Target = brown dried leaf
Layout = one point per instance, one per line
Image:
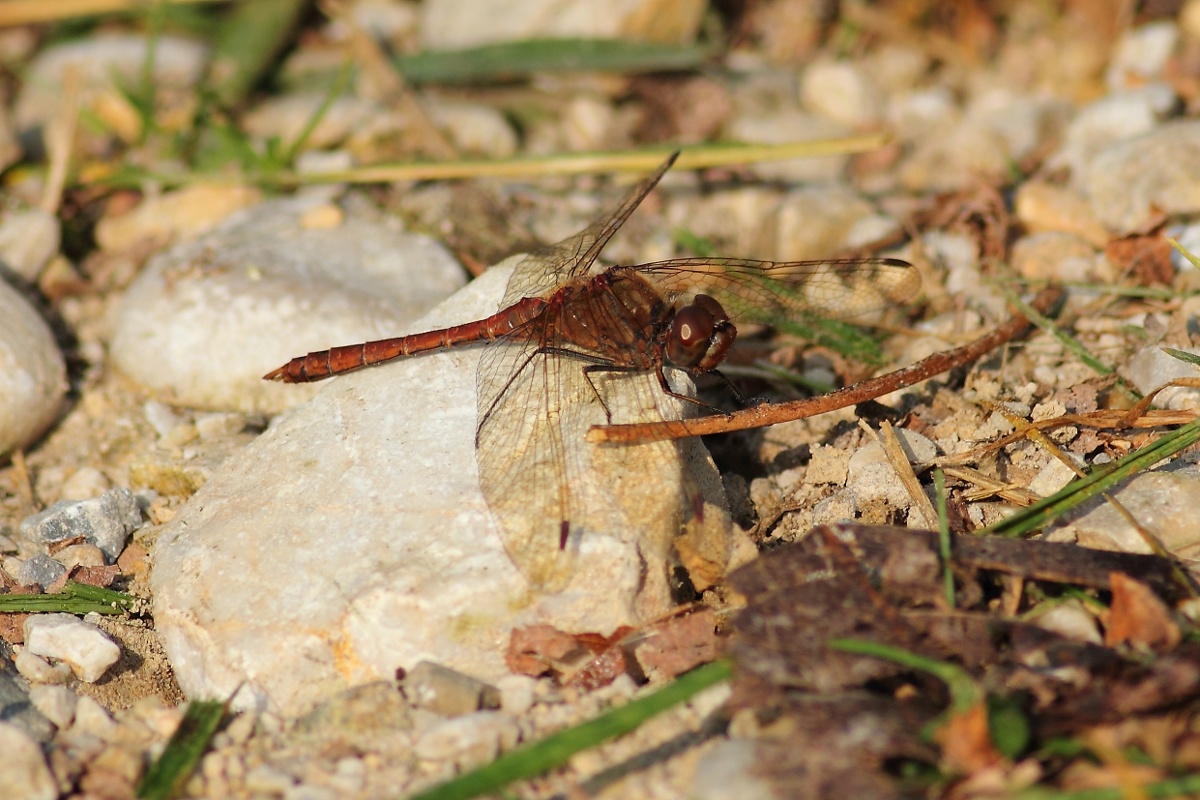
(679, 644)
(1137, 616)
(1145, 257)
(966, 741)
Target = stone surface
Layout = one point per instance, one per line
(105, 521)
(1132, 179)
(16, 708)
(1163, 501)
(182, 214)
(81, 645)
(205, 320)
(32, 373)
(24, 773)
(352, 539)
(447, 24)
(29, 238)
(447, 692)
(100, 63)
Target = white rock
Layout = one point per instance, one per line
(1163, 501)
(1152, 368)
(871, 476)
(1110, 119)
(1054, 476)
(100, 61)
(1133, 179)
(352, 538)
(36, 669)
(474, 128)
(729, 771)
(182, 214)
(471, 739)
(447, 24)
(24, 773)
(1142, 53)
(92, 719)
(813, 222)
(204, 321)
(791, 125)
(29, 238)
(1072, 620)
(84, 483)
(33, 377)
(82, 646)
(57, 703)
(516, 693)
(841, 91)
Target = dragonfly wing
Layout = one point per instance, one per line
(554, 496)
(776, 291)
(546, 269)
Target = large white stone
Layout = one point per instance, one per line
(33, 376)
(352, 538)
(205, 320)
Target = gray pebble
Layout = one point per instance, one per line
(105, 521)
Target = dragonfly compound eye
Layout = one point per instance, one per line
(700, 335)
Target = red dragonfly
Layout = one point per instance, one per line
(675, 315)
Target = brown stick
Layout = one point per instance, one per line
(773, 413)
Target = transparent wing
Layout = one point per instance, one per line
(549, 490)
(546, 269)
(776, 291)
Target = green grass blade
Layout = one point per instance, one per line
(944, 543)
(496, 63)
(75, 598)
(554, 751)
(252, 35)
(1100, 480)
(1187, 786)
(168, 774)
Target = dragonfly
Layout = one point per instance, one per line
(568, 328)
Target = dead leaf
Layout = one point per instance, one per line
(1137, 616)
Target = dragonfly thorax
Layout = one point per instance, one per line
(700, 335)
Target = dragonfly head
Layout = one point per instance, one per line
(700, 335)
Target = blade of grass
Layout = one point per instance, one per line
(553, 751)
(939, 491)
(1187, 786)
(1100, 480)
(75, 598)
(640, 160)
(250, 38)
(1072, 345)
(167, 775)
(25, 12)
(496, 63)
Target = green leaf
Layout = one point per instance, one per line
(168, 774)
(75, 598)
(496, 63)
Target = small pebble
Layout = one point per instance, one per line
(84, 484)
(38, 569)
(1071, 620)
(56, 702)
(29, 238)
(445, 691)
(24, 773)
(36, 669)
(93, 719)
(105, 521)
(468, 740)
(219, 425)
(84, 647)
(33, 380)
(729, 770)
(517, 693)
(183, 214)
(80, 555)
